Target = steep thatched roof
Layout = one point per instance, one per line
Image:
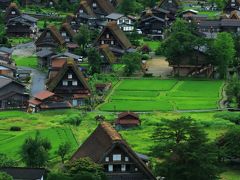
(52, 83)
(55, 34)
(117, 33)
(105, 50)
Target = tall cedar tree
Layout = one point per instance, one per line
(94, 60)
(185, 148)
(223, 52)
(83, 37)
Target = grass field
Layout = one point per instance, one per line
(19, 40)
(50, 126)
(163, 95)
(26, 61)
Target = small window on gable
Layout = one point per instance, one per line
(136, 169)
(112, 42)
(107, 159)
(169, 1)
(69, 76)
(64, 33)
(74, 83)
(102, 42)
(117, 157)
(126, 159)
(110, 168)
(80, 11)
(65, 83)
(94, 5)
(123, 167)
(13, 12)
(107, 36)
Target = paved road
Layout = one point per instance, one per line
(38, 80)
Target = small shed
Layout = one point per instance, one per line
(127, 120)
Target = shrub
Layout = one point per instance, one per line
(232, 117)
(159, 51)
(73, 120)
(15, 128)
(145, 57)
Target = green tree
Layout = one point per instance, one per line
(127, 7)
(63, 150)
(5, 176)
(186, 150)
(83, 37)
(233, 91)
(132, 62)
(229, 144)
(34, 151)
(94, 60)
(223, 52)
(85, 167)
(6, 161)
(180, 42)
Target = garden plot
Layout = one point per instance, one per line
(164, 95)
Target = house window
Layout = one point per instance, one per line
(107, 159)
(74, 83)
(94, 5)
(64, 34)
(169, 1)
(110, 168)
(102, 42)
(126, 159)
(136, 169)
(112, 42)
(107, 36)
(13, 12)
(65, 83)
(123, 167)
(233, 1)
(69, 76)
(117, 157)
(80, 11)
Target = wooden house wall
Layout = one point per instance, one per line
(18, 29)
(132, 169)
(108, 38)
(69, 89)
(14, 101)
(10, 87)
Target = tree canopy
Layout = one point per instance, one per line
(186, 151)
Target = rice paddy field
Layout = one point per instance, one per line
(163, 95)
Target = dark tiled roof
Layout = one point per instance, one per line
(6, 50)
(29, 18)
(230, 22)
(24, 173)
(44, 53)
(114, 16)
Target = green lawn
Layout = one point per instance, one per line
(19, 40)
(26, 61)
(153, 45)
(164, 95)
